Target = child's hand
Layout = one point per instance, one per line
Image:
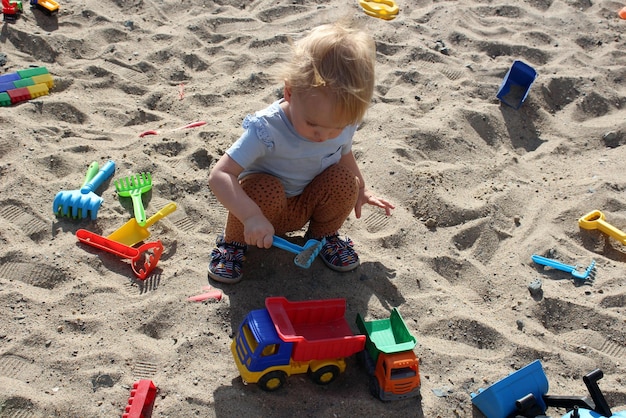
(365, 196)
(258, 231)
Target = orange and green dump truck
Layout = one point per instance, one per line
(389, 357)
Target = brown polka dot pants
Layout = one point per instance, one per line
(325, 203)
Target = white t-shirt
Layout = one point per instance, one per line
(271, 145)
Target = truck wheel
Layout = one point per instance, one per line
(375, 387)
(272, 381)
(360, 357)
(325, 375)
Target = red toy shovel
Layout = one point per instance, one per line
(143, 259)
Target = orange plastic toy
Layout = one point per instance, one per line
(622, 13)
(141, 400)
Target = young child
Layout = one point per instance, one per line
(294, 162)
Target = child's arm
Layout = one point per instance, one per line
(224, 182)
(365, 196)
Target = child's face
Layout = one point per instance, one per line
(313, 114)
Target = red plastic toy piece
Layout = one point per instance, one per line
(150, 132)
(143, 259)
(211, 294)
(141, 400)
(11, 10)
(21, 94)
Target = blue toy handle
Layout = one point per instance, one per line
(552, 263)
(283, 244)
(105, 172)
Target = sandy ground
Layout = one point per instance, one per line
(479, 187)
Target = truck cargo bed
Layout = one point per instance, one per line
(318, 328)
(389, 335)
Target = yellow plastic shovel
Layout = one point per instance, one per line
(596, 220)
(131, 232)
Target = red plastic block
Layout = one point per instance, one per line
(141, 400)
(19, 95)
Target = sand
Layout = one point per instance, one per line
(478, 186)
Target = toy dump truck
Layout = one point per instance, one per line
(11, 9)
(49, 7)
(389, 357)
(289, 338)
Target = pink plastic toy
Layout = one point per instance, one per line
(209, 293)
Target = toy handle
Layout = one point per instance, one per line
(283, 244)
(138, 209)
(165, 210)
(596, 220)
(103, 243)
(105, 172)
(91, 172)
(591, 381)
(609, 229)
(551, 263)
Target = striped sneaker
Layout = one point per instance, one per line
(338, 254)
(226, 261)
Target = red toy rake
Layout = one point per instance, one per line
(143, 259)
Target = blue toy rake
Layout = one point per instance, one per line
(588, 273)
(305, 255)
(83, 202)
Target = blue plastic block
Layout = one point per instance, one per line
(9, 85)
(498, 400)
(516, 84)
(4, 78)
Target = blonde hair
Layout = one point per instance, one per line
(339, 58)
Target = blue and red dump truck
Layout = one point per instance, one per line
(314, 337)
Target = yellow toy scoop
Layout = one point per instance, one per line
(382, 9)
(131, 232)
(596, 220)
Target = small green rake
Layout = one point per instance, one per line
(134, 187)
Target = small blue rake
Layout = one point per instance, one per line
(588, 273)
(84, 202)
(305, 255)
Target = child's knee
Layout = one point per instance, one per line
(342, 178)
